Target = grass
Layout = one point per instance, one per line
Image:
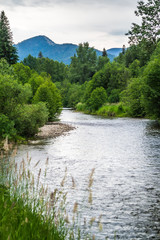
(18, 221)
(107, 110)
(113, 110)
(28, 211)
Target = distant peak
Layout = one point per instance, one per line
(41, 38)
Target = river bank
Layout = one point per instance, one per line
(53, 129)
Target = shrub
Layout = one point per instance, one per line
(49, 94)
(97, 98)
(29, 118)
(114, 96)
(6, 127)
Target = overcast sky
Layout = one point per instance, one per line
(103, 23)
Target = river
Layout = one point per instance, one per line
(125, 154)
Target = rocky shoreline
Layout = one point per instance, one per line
(53, 129)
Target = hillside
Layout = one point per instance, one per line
(59, 52)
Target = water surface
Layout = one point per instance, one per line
(126, 156)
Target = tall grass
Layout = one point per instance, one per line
(28, 210)
(113, 110)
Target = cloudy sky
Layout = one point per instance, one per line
(103, 23)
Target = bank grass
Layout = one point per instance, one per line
(109, 110)
(30, 210)
(113, 110)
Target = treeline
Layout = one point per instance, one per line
(33, 91)
(27, 100)
(128, 86)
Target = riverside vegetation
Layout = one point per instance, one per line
(29, 210)
(34, 91)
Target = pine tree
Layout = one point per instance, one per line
(104, 53)
(40, 55)
(7, 50)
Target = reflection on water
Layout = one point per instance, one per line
(126, 156)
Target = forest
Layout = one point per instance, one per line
(34, 91)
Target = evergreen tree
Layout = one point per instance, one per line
(104, 53)
(40, 55)
(83, 64)
(7, 50)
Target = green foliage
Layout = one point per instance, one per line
(113, 110)
(35, 81)
(131, 97)
(7, 50)
(83, 65)
(56, 70)
(48, 93)
(112, 76)
(97, 99)
(5, 68)
(151, 88)
(81, 107)
(6, 127)
(149, 30)
(23, 73)
(74, 95)
(135, 68)
(102, 60)
(28, 118)
(19, 221)
(114, 96)
(30, 62)
(144, 38)
(12, 93)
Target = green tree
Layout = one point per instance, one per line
(48, 93)
(7, 50)
(74, 95)
(146, 35)
(40, 55)
(149, 30)
(7, 128)
(97, 99)
(83, 65)
(131, 97)
(30, 62)
(23, 73)
(104, 53)
(12, 93)
(35, 81)
(151, 89)
(102, 60)
(28, 118)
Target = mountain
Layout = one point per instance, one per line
(50, 49)
(114, 51)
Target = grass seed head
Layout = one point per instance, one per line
(75, 208)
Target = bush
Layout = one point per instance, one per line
(49, 94)
(81, 107)
(114, 96)
(113, 110)
(131, 97)
(29, 118)
(6, 127)
(97, 99)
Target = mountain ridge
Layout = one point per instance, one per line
(58, 52)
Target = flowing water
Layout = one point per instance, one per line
(125, 154)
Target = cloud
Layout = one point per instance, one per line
(32, 3)
(102, 23)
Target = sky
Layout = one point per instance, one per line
(102, 23)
